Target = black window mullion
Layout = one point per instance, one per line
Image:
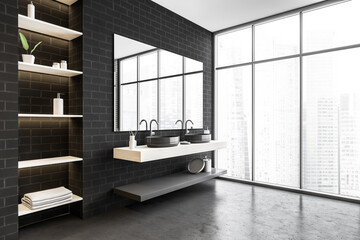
(301, 101)
(183, 91)
(138, 92)
(158, 87)
(253, 105)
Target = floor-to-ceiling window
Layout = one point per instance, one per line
(288, 99)
(235, 90)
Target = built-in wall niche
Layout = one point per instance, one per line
(50, 144)
(152, 83)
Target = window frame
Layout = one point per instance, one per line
(118, 85)
(300, 55)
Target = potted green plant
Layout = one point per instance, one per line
(27, 58)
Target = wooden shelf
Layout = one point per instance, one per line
(148, 189)
(22, 210)
(48, 115)
(47, 161)
(47, 70)
(67, 2)
(145, 154)
(46, 28)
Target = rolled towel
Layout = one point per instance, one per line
(47, 194)
(48, 201)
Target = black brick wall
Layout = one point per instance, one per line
(145, 21)
(141, 20)
(41, 178)
(51, 137)
(8, 120)
(43, 138)
(37, 91)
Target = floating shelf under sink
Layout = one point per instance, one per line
(155, 187)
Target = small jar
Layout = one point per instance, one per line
(63, 64)
(56, 65)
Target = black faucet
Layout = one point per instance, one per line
(182, 123)
(186, 129)
(153, 120)
(145, 123)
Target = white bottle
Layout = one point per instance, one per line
(207, 167)
(58, 105)
(206, 131)
(31, 10)
(132, 142)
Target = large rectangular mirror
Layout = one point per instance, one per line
(152, 83)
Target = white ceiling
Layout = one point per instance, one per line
(215, 15)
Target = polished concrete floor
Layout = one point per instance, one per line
(217, 210)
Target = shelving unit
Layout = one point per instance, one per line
(47, 161)
(48, 115)
(47, 70)
(46, 28)
(23, 210)
(59, 32)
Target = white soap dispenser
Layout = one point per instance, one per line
(58, 105)
(31, 10)
(206, 131)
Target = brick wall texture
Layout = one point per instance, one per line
(142, 20)
(50, 137)
(145, 21)
(8, 120)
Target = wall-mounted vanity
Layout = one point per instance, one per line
(145, 154)
(155, 85)
(152, 85)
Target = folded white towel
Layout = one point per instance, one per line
(43, 206)
(47, 194)
(47, 201)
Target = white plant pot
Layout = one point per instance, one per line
(27, 58)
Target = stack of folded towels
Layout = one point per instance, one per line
(47, 198)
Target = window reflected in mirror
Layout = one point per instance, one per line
(192, 65)
(148, 65)
(170, 63)
(194, 99)
(171, 103)
(128, 70)
(148, 102)
(151, 83)
(128, 107)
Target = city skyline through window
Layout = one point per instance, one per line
(291, 111)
